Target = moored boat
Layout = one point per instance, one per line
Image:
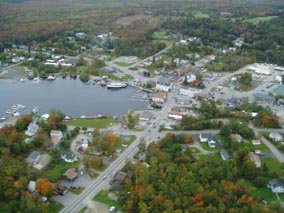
(116, 85)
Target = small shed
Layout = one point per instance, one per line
(71, 174)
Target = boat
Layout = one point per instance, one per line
(8, 112)
(35, 110)
(51, 77)
(3, 119)
(36, 80)
(22, 80)
(116, 85)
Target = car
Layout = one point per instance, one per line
(112, 209)
(105, 177)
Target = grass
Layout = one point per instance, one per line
(98, 123)
(54, 206)
(160, 35)
(103, 198)
(262, 148)
(206, 147)
(77, 191)
(272, 164)
(83, 209)
(55, 173)
(257, 20)
(82, 68)
(122, 64)
(263, 192)
(20, 69)
(121, 140)
(201, 15)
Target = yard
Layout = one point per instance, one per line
(257, 20)
(206, 147)
(54, 206)
(103, 198)
(54, 173)
(98, 123)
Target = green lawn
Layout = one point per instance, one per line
(99, 123)
(103, 198)
(272, 164)
(121, 140)
(83, 210)
(257, 20)
(55, 173)
(82, 68)
(20, 69)
(77, 191)
(201, 15)
(206, 147)
(262, 148)
(54, 206)
(160, 35)
(122, 64)
(264, 192)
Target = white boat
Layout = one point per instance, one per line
(51, 77)
(3, 119)
(22, 80)
(36, 80)
(35, 110)
(8, 112)
(116, 85)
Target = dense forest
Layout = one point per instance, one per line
(177, 181)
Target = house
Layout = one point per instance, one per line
(120, 177)
(187, 91)
(224, 154)
(256, 142)
(275, 136)
(212, 142)
(71, 174)
(192, 76)
(276, 185)
(164, 84)
(182, 99)
(255, 159)
(32, 186)
(205, 137)
(146, 116)
(236, 137)
(56, 136)
(264, 97)
(68, 157)
(175, 115)
(159, 97)
(33, 158)
(32, 129)
(279, 90)
(110, 69)
(61, 189)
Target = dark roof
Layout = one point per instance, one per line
(206, 135)
(225, 154)
(120, 176)
(264, 97)
(33, 157)
(274, 183)
(164, 81)
(71, 174)
(279, 90)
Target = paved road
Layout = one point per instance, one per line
(274, 150)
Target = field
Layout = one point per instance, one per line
(103, 198)
(98, 123)
(257, 20)
(54, 206)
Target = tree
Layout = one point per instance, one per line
(23, 122)
(44, 187)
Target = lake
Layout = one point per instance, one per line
(71, 96)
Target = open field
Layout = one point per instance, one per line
(257, 20)
(98, 123)
(103, 198)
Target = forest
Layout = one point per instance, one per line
(178, 181)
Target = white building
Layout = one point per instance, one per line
(32, 129)
(187, 91)
(175, 115)
(164, 84)
(261, 69)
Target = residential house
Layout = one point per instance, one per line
(175, 115)
(71, 174)
(159, 97)
(276, 185)
(110, 69)
(264, 97)
(164, 84)
(205, 137)
(32, 186)
(224, 154)
(182, 99)
(275, 136)
(33, 158)
(256, 142)
(236, 137)
(120, 177)
(255, 159)
(60, 189)
(187, 91)
(146, 116)
(68, 157)
(55, 136)
(32, 129)
(279, 90)
(192, 76)
(212, 142)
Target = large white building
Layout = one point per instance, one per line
(164, 84)
(190, 92)
(261, 69)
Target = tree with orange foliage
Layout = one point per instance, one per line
(187, 139)
(44, 187)
(111, 138)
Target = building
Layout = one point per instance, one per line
(146, 116)
(276, 185)
(164, 84)
(205, 137)
(256, 142)
(33, 158)
(55, 136)
(159, 97)
(110, 69)
(120, 177)
(255, 159)
(175, 115)
(68, 157)
(261, 69)
(279, 90)
(275, 136)
(263, 97)
(32, 186)
(71, 174)
(32, 129)
(281, 69)
(182, 99)
(236, 137)
(192, 76)
(187, 91)
(224, 154)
